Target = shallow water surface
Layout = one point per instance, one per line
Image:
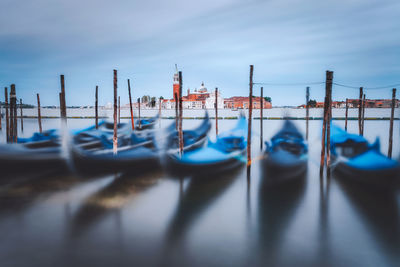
(156, 219)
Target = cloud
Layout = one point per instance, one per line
(212, 41)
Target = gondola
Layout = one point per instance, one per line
(136, 152)
(146, 124)
(43, 151)
(285, 156)
(192, 139)
(31, 156)
(354, 158)
(226, 153)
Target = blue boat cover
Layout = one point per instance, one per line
(371, 159)
(227, 146)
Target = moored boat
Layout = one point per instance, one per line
(285, 156)
(136, 152)
(43, 151)
(147, 123)
(354, 158)
(226, 153)
(192, 139)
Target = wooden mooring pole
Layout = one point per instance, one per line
(130, 105)
(250, 117)
(139, 121)
(115, 135)
(326, 124)
(307, 110)
(347, 114)
(216, 111)
(63, 104)
(22, 115)
(119, 109)
(391, 123)
(1, 127)
(176, 111)
(159, 112)
(96, 107)
(180, 115)
(261, 117)
(39, 115)
(363, 115)
(7, 115)
(13, 112)
(360, 111)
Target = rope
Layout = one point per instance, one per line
(368, 88)
(288, 84)
(337, 84)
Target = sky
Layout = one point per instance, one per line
(215, 41)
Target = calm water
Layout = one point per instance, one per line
(156, 219)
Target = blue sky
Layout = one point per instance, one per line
(211, 41)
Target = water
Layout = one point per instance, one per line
(157, 219)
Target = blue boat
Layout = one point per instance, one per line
(355, 158)
(138, 152)
(147, 123)
(43, 151)
(285, 156)
(192, 139)
(226, 153)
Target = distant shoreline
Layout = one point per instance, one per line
(220, 118)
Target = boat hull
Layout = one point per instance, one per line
(184, 168)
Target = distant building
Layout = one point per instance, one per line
(242, 102)
(355, 103)
(210, 101)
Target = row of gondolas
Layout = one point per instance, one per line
(90, 152)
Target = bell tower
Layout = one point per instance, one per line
(176, 84)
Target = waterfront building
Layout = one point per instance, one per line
(242, 102)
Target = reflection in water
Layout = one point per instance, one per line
(17, 197)
(199, 194)
(111, 199)
(324, 254)
(276, 207)
(379, 211)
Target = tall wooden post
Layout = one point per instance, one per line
(7, 115)
(13, 113)
(139, 124)
(39, 115)
(360, 110)
(363, 115)
(307, 109)
(115, 135)
(347, 114)
(261, 117)
(1, 127)
(62, 100)
(250, 116)
(61, 105)
(326, 124)
(180, 115)
(391, 123)
(22, 115)
(119, 109)
(11, 133)
(96, 107)
(176, 111)
(130, 104)
(159, 112)
(216, 111)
